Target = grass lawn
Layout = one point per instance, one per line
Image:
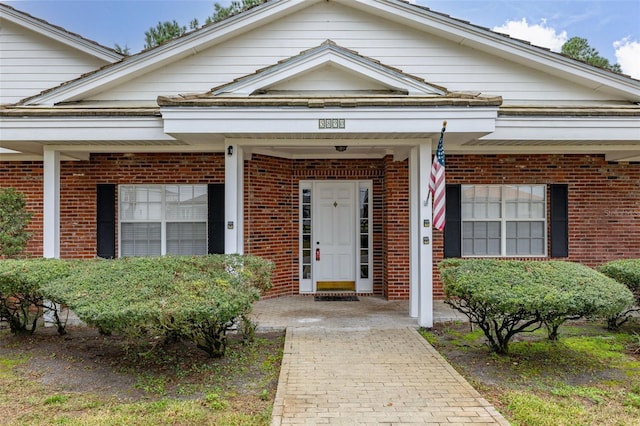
(591, 376)
(84, 378)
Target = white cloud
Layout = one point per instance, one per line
(537, 34)
(628, 56)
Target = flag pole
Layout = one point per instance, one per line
(437, 189)
(444, 127)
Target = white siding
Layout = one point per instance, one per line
(438, 61)
(31, 63)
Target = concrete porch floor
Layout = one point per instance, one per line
(368, 312)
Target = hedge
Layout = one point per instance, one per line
(506, 297)
(199, 298)
(22, 299)
(627, 272)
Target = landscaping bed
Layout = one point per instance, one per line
(590, 376)
(85, 378)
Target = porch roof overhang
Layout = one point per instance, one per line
(290, 127)
(317, 121)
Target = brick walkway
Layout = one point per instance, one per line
(385, 376)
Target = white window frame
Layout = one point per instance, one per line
(503, 222)
(163, 215)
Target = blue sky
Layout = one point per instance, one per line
(610, 26)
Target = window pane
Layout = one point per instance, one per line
(364, 256)
(537, 229)
(364, 271)
(467, 210)
(364, 226)
(140, 239)
(154, 211)
(481, 238)
(186, 238)
(480, 230)
(154, 194)
(493, 230)
(493, 247)
(495, 194)
(364, 203)
(537, 246)
(537, 210)
(494, 210)
(364, 241)
(306, 272)
(523, 210)
(306, 196)
(538, 193)
(525, 238)
(172, 192)
(306, 241)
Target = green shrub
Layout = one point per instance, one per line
(507, 297)
(13, 222)
(22, 301)
(627, 272)
(199, 298)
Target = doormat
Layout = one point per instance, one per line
(336, 299)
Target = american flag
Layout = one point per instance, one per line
(437, 186)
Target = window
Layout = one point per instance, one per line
(306, 233)
(163, 219)
(365, 224)
(504, 220)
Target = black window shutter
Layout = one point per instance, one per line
(559, 200)
(106, 221)
(215, 193)
(453, 222)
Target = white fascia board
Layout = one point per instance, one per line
(328, 55)
(169, 52)
(566, 129)
(82, 129)
(284, 120)
(503, 46)
(74, 41)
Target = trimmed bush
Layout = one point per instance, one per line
(13, 222)
(199, 298)
(507, 297)
(627, 272)
(22, 301)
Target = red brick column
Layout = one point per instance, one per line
(396, 230)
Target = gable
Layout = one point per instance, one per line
(329, 78)
(329, 68)
(35, 55)
(418, 42)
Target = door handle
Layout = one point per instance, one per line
(317, 254)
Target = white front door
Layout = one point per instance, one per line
(334, 235)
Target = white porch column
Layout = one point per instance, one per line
(51, 204)
(421, 248)
(233, 199)
(414, 231)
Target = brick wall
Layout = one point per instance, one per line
(272, 213)
(396, 229)
(604, 202)
(604, 199)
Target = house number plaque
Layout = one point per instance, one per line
(331, 123)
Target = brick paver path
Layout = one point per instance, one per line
(372, 376)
